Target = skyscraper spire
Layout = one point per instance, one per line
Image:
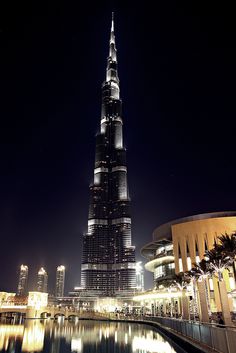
(112, 58)
(112, 36)
(112, 22)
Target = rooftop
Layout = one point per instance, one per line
(162, 235)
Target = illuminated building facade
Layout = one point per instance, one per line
(23, 280)
(139, 276)
(42, 281)
(177, 246)
(6, 298)
(108, 261)
(60, 281)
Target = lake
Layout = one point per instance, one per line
(84, 336)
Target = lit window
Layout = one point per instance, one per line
(180, 265)
(232, 283)
(171, 266)
(211, 284)
(189, 263)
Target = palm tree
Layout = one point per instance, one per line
(228, 247)
(181, 281)
(191, 275)
(169, 285)
(200, 271)
(218, 262)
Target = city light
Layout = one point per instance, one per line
(33, 338)
(76, 345)
(37, 299)
(157, 295)
(152, 344)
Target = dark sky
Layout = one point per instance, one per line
(177, 72)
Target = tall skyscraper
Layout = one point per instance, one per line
(23, 280)
(60, 281)
(42, 281)
(108, 260)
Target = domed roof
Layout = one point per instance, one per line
(164, 231)
(163, 235)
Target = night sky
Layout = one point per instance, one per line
(177, 73)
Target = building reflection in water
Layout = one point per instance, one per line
(151, 344)
(9, 334)
(85, 336)
(33, 337)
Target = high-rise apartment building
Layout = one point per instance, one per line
(42, 281)
(23, 280)
(108, 261)
(60, 281)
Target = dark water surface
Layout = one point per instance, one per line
(82, 337)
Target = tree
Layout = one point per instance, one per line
(228, 247)
(200, 272)
(191, 275)
(181, 281)
(169, 285)
(218, 262)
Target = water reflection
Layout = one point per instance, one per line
(33, 336)
(82, 337)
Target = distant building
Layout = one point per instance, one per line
(139, 276)
(60, 281)
(42, 281)
(6, 298)
(23, 280)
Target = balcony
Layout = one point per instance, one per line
(163, 254)
(163, 258)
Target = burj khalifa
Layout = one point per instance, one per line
(108, 259)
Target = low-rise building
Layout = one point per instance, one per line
(175, 248)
